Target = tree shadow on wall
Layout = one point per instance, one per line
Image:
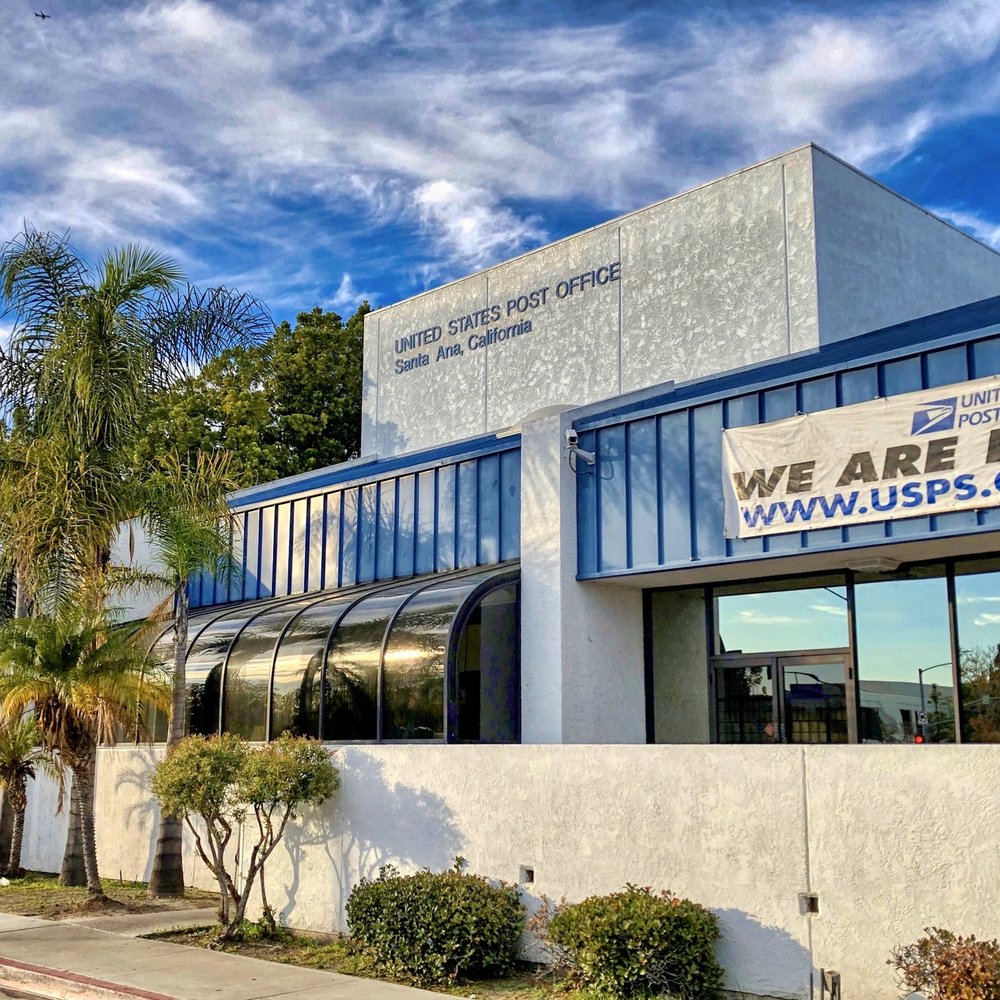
(370, 823)
(135, 766)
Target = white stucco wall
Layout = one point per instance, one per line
(582, 673)
(774, 259)
(881, 260)
(892, 839)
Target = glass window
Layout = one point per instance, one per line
(904, 657)
(782, 616)
(298, 667)
(745, 709)
(413, 671)
(487, 694)
(350, 706)
(203, 670)
(977, 607)
(248, 674)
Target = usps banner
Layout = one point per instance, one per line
(921, 453)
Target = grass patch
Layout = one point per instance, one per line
(337, 955)
(39, 894)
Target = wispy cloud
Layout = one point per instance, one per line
(295, 143)
(985, 230)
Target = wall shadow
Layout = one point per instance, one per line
(770, 960)
(140, 809)
(369, 823)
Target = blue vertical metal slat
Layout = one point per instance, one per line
(675, 486)
(612, 486)
(779, 404)
(488, 512)
(467, 514)
(743, 411)
(349, 536)
(707, 492)
(898, 377)
(643, 473)
(861, 386)
(587, 525)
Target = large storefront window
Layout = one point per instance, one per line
(904, 657)
(910, 656)
(977, 610)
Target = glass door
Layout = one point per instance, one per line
(814, 692)
(784, 698)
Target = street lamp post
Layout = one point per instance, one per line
(923, 704)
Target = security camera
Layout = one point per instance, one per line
(574, 449)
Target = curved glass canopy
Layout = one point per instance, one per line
(430, 658)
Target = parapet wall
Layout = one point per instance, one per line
(892, 839)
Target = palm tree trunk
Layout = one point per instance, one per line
(167, 878)
(17, 835)
(84, 776)
(73, 871)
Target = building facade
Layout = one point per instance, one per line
(550, 546)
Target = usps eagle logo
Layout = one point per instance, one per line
(938, 415)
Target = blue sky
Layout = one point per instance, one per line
(316, 152)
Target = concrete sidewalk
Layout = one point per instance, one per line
(64, 959)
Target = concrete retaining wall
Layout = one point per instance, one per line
(892, 839)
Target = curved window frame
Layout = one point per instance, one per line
(493, 578)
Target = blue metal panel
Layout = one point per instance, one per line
(675, 489)
(367, 527)
(612, 498)
(644, 542)
(510, 505)
(586, 499)
(445, 518)
(426, 519)
(405, 499)
(458, 514)
(468, 503)
(488, 515)
(349, 519)
(706, 486)
(689, 418)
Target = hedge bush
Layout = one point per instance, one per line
(947, 967)
(431, 928)
(637, 943)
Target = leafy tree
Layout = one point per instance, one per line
(86, 682)
(288, 406)
(20, 758)
(189, 524)
(223, 781)
(89, 350)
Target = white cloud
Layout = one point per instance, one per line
(830, 609)
(469, 225)
(201, 125)
(347, 297)
(985, 230)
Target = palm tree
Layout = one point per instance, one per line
(89, 350)
(87, 682)
(21, 756)
(190, 525)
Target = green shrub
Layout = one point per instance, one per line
(434, 927)
(637, 943)
(949, 967)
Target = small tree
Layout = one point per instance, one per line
(20, 758)
(223, 781)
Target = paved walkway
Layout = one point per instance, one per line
(100, 958)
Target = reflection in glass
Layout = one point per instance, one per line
(815, 702)
(746, 704)
(904, 658)
(488, 682)
(248, 674)
(977, 606)
(203, 670)
(413, 677)
(350, 708)
(807, 615)
(298, 668)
